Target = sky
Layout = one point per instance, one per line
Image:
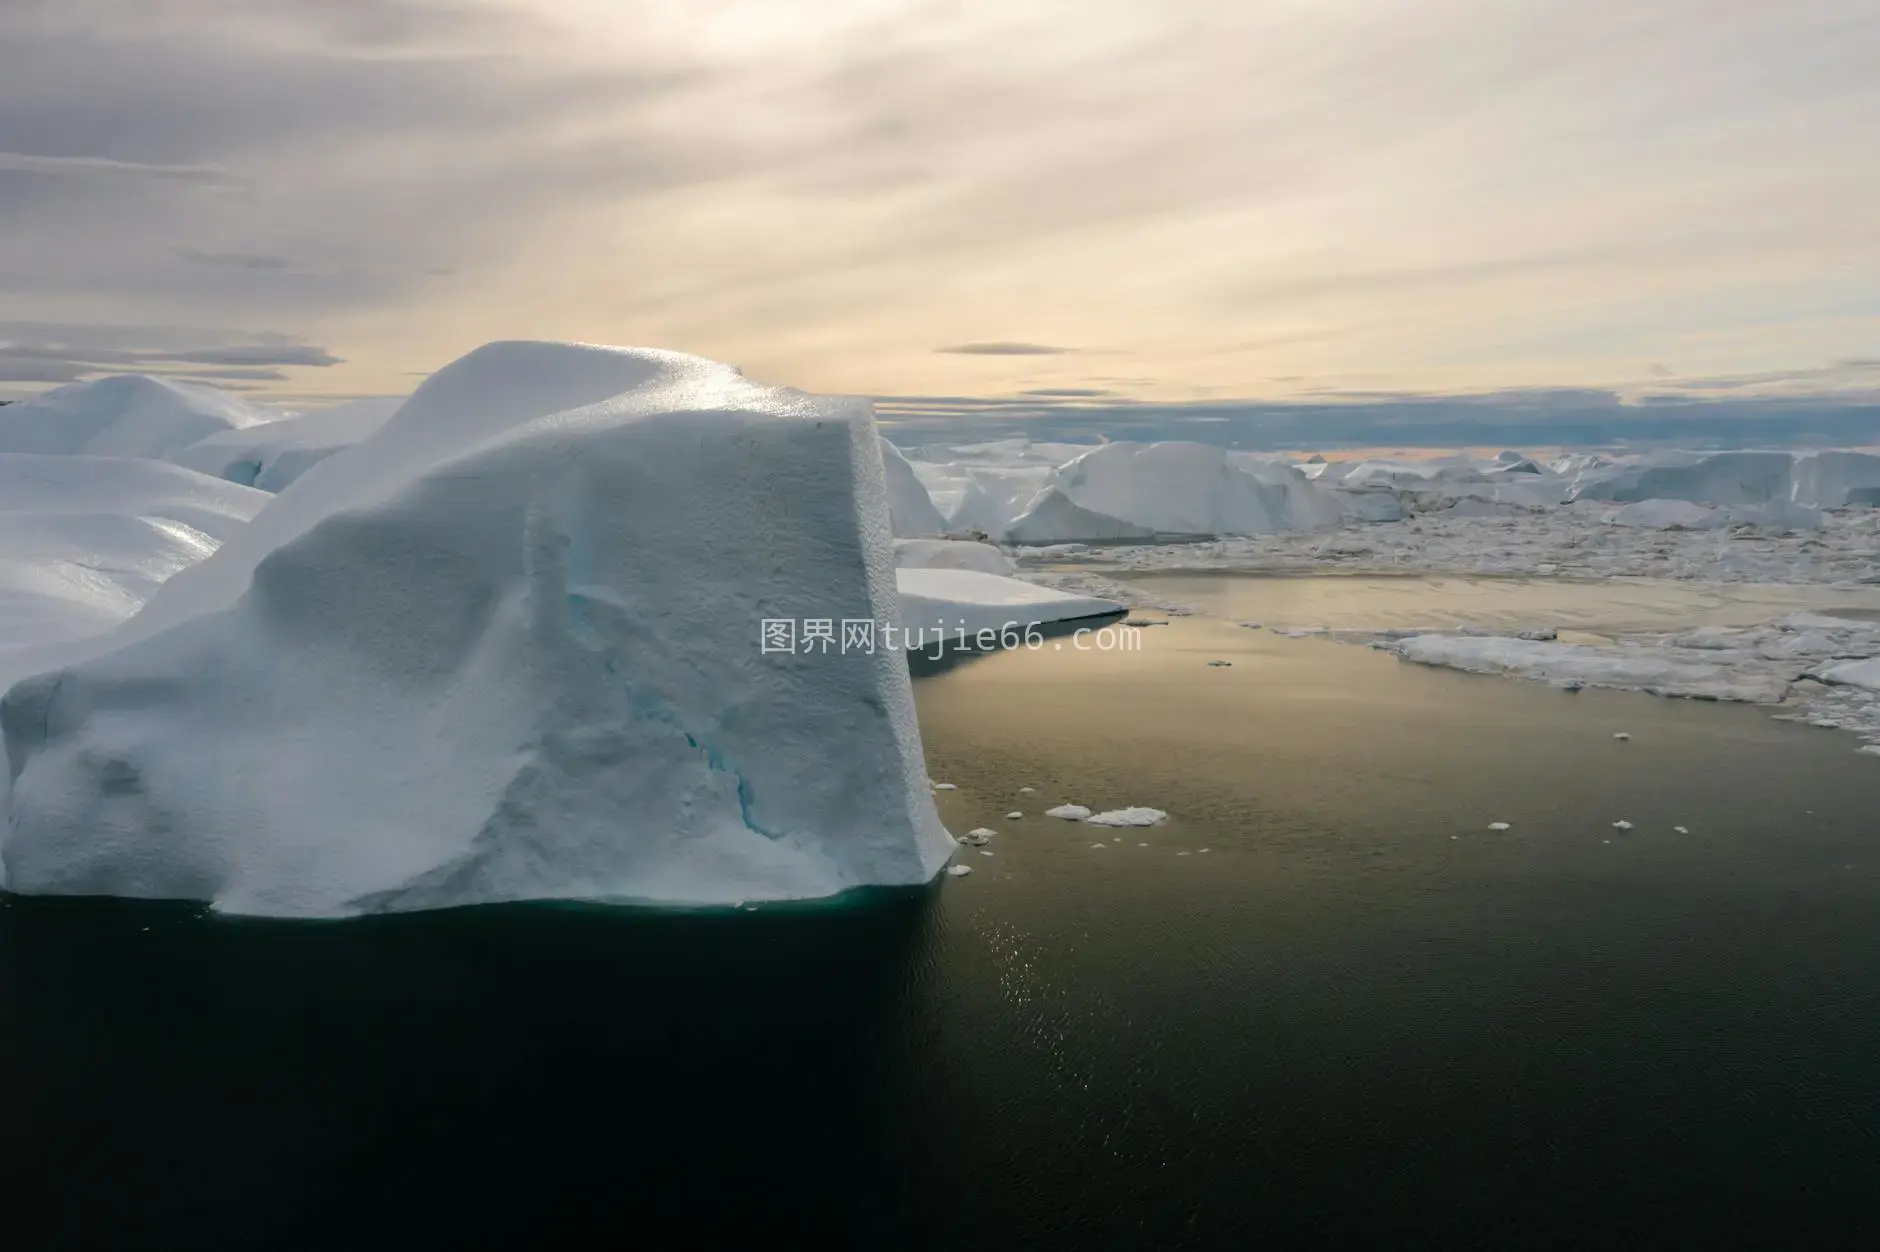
(1068, 207)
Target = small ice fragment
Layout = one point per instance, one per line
(958, 871)
(1069, 812)
(1133, 816)
(1622, 735)
(1099, 845)
(1013, 816)
(1220, 664)
(1142, 845)
(977, 837)
(946, 787)
(1498, 825)
(1201, 849)
(1622, 824)
(1025, 791)
(983, 852)
(1181, 854)
(1682, 830)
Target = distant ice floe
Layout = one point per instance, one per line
(1823, 670)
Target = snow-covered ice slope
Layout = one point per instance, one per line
(953, 604)
(86, 540)
(132, 415)
(910, 508)
(274, 454)
(508, 647)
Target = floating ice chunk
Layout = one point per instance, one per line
(1682, 830)
(1498, 825)
(1623, 734)
(977, 836)
(1013, 816)
(958, 871)
(1069, 812)
(1134, 816)
(946, 787)
(1099, 845)
(1864, 674)
(1025, 791)
(983, 852)
(1622, 824)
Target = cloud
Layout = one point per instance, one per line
(105, 168)
(1067, 393)
(1001, 347)
(234, 260)
(48, 352)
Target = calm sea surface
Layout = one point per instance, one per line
(1322, 1005)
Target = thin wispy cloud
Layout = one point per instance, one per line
(106, 169)
(1004, 347)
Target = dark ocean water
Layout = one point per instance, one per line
(1357, 1019)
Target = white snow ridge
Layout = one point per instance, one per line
(506, 647)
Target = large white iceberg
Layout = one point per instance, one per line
(1713, 478)
(507, 647)
(1178, 488)
(131, 415)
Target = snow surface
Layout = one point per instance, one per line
(948, 605)
(272, 455)
(506, 647)
(125, 415)
(86, 540)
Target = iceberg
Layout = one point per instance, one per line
(510, 646)
(125, 415)
(1177, 488)
(1714, 478)
(1053, 518)
(910, 508)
